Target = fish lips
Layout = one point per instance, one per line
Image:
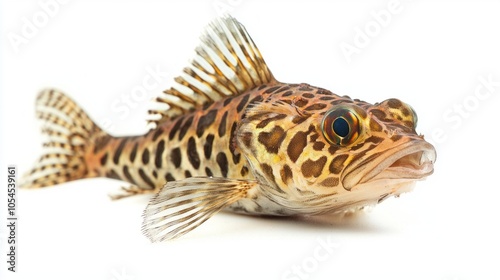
(413, 160)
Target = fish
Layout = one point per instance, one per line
(227, 135)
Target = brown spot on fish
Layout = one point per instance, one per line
(405, 112)
(133, 153)
(317, 106)
(374, 140)
(265, 122)
(175, 128)
(159, 154)
(408, 124)
(300, 102)
(185, 127)
(396, 137)
(246, 138)
(145, 156)
(223, 164)
(232, 144)
(308, 95)
(268, 172)
(357, 147)
(119, 150)
(282, 89)
(305, 87)
(208, 172)
(187, 174)
(297, 145)
(113, 175)
(104, 159)
(287, 93)
(299, 119)
(157, 133)
(313, 137)
(326, 98)
(272, 140)
(101, 142)
(205, 121)
(313, 167)
(379, 114)
(192, 153)
(272, 89)
(155, 174)
(318, 146)
(128, 176)
(256, 99)
(262, 87)
(222, 125)
(175, 157)
(244, 171)
(394, 103)
(146, 179)
(242, 103)
(207, 147)
(169, 177)
(286, 174)
(227, 101)
(333, 149)
(375, 126)
(337, 164)
(330, 182)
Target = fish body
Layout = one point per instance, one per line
(232, 137)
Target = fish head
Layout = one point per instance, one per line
(326, 148)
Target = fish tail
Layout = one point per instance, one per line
(70, 133)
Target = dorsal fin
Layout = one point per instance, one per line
(227, 62)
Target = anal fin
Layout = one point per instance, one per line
(183, 205)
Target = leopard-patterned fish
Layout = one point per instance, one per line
(230, 136)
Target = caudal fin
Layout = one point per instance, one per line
(69, 133)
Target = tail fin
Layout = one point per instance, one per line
(69, 133)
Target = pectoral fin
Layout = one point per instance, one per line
(183, 205)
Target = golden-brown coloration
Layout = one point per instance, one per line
(253, 145)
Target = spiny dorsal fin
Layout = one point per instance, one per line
(183, 205)
(227, 62)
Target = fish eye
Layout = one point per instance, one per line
(340, 126)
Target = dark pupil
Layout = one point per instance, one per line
(341, 127)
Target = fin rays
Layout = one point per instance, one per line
(183, 205)
(68, 131)
(227, 62)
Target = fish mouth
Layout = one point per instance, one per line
(411, 161)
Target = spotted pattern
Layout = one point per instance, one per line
(313, 168)
(133, 153)
(146, 178)
(159, 154)
(223, 164)
(290, 150)
(272, 140)
(286, 174)
(175, 157)
(222, 125)
(145, 156)
(192, 153)
(297, 145)
(205, 121)
(119, 150)
(337, 164)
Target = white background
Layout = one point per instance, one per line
(431, 54)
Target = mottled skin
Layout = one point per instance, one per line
(272, 134)
(231, 136)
